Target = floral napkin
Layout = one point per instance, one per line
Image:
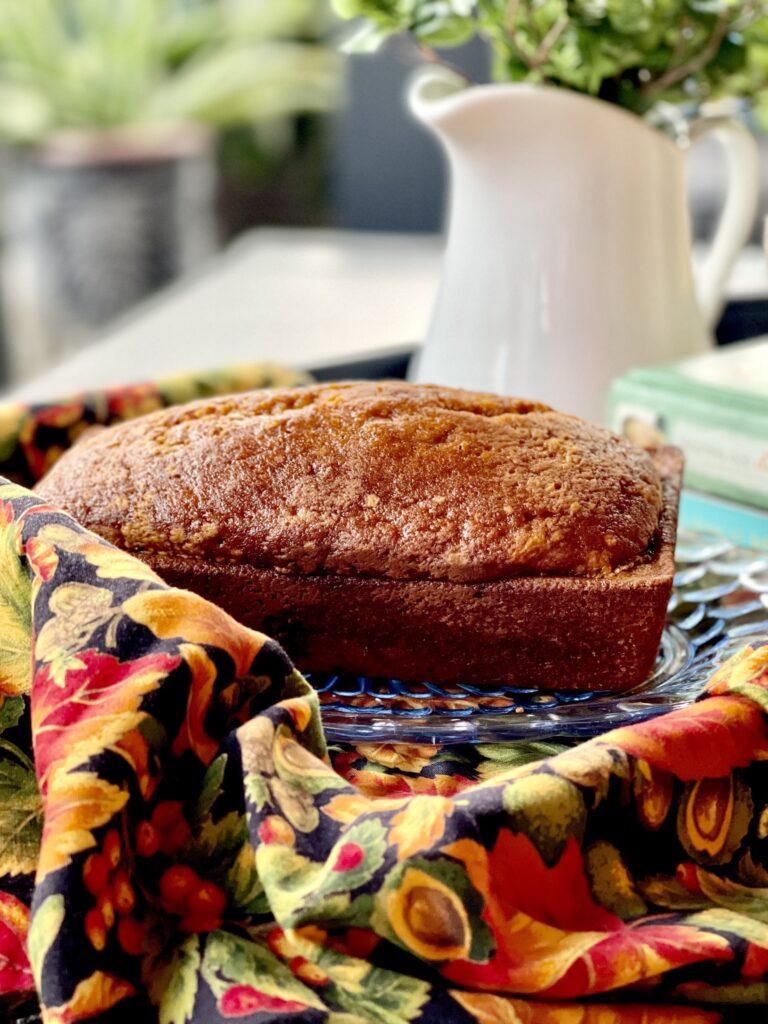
(33, 437)
(177, 846)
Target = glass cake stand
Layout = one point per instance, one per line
(719, 604)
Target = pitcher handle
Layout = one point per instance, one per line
(739, 212)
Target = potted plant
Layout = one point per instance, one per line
(112, 110)
(568, 249)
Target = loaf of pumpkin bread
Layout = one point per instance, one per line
(392, 529)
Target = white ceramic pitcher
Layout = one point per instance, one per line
(568, 257)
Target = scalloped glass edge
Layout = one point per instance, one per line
(678, 679)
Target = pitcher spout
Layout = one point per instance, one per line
(431, 92)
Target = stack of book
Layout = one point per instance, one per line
(715, 407)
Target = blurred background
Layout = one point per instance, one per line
(138, 140)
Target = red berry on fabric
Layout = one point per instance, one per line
(278, 944)
(131, 935)
(113, 848)
(95, 929)
(199, 923)
(123, 896)
(167, 814)
(277, 831)
(106, 905)
(207, 899)
(147, 839)
(176, 883)
(349, 857)
(359, 942)
(95, 873)
(175, 839)
(688, 877)
(310, 974)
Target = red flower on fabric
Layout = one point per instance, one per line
(559, 896)
(553, 939)
(357, 942)
(134, 400)
(43, 559)
(705, 740)
(97, 706)
(64, 418)
(15, 972)
(243, 1000)
(755, 963)
(350, 856)
(380, 784)
(747, 668)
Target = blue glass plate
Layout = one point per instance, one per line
(719, 603)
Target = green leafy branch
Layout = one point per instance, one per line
(636, 53)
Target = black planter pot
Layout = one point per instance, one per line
(95, 223)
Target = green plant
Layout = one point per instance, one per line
(102, 64)
(636, 53)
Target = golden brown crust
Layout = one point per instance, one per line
(389, 480)
(561, 632)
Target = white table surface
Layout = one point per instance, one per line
(301, 297)
(298, 297)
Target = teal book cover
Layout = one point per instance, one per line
(746, 526)
(714, 407)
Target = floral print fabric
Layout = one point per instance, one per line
(33, 437)
(176, 845)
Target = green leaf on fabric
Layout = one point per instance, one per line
(300, 768)
(11, 710)
(46, 922)
(611, 883)
(154, 732)
(21, 812)
(359, 912)
(356, 858)
(256, 789)
(548, 809)
(243, 884)
(384, 997)
(11, 421)
(172, 981)
(666, 891)
(752, 872)
(758, 694)
(327, 910)
(730, 895)
(753, 993)
(217, 844)
(312, 736)
(15, 617)
(513, 755)
(325, 781)
(722, 920)
(287, 878)
(211, 790)
(337, 910)
(231, 960)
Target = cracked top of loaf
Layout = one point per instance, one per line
(386, 479)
